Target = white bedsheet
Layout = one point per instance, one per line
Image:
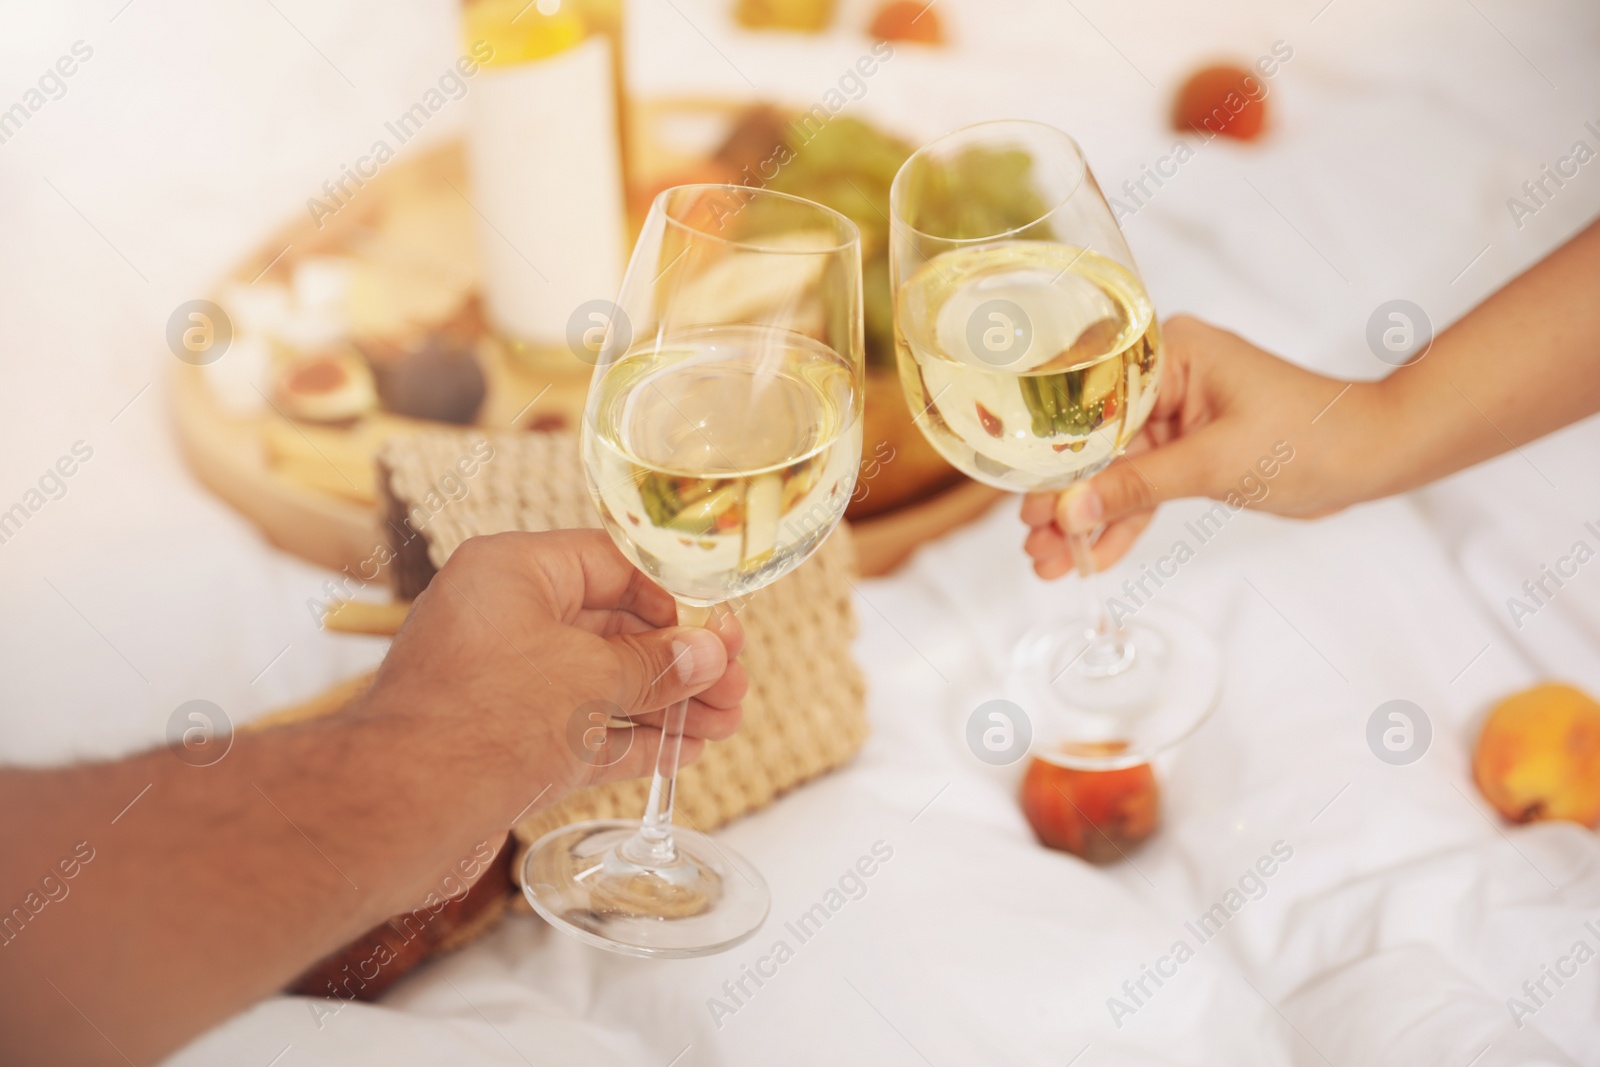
(1407, 915)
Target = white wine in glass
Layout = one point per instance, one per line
(720, 443)
(1030, 354)
(1031, 362)
(721, 459)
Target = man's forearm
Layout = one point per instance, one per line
(210, 887)
(1522, 364)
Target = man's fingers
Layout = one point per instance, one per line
(702, 720)
(727, 691)
(609, 621)
(631, 753)
(588, 571)
(726, 625)
(661, 667)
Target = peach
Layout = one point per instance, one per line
(907, 20)
(1225, 100)
(1538, 756)
(1098, 815)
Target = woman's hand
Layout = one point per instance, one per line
(1516, 367)
(1231, 422)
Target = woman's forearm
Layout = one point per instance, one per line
(1523, 363)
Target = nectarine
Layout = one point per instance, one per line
(1098, 815)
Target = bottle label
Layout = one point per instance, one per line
(547, 185)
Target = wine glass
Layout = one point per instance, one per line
(1030, 355)
(720, 444)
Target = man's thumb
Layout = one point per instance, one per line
(661, 667)
(1134, 484)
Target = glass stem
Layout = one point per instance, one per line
(652, 845)
(1109, 651)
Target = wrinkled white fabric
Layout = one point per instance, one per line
(1408, 916)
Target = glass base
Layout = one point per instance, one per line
(1104, 703)
(604, 884)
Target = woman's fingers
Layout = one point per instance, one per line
(1118, 537)
(1047, 546)
(1054, 567)
(1039, 509)
(1045, 543)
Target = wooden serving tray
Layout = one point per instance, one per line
(309, 488)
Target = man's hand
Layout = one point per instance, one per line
(519, 653)
(218, 884)
(522, 638)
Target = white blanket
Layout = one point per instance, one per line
(1407, 915)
